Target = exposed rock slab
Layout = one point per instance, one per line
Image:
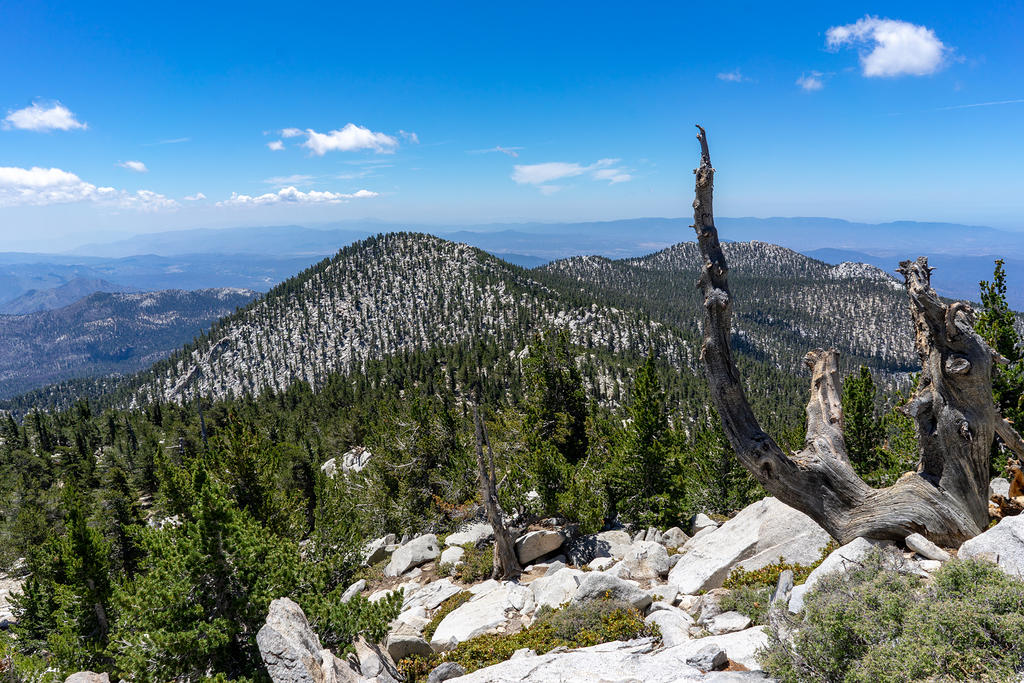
(556, 589)
(758, 536)
(598, 585)
(1002, 544)
(537, 544)
(471, 533)
(418, 551)
(839, 560)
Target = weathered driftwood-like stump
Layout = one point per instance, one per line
(506, 563)
(947, 498)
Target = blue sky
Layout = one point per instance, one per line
(119, 117)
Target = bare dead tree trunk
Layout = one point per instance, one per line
(506, 564)
(947, 498)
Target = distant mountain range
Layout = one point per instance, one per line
(105, 333)
(35, 300)
(260, 257)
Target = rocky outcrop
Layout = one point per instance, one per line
(419, 550)
(839, 560)
(486, 611)
(8, 586)
(645, 560)
(537, 544)
(292, 652)
(758, 536)
(598, 585)
(471, 533)
(636, 660)
(554, 590)
(1002, 544)
(87, 677)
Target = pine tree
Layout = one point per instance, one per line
(995, 324)
(862, 430)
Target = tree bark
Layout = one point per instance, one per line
(956, 418)
(506, 564)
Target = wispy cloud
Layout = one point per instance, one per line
(198, 196)
(889, 47)
(509, 151)
(172, 141)
(43, 186)
(42, 118)
(541, 175)
(811, 81)
(136, 166)
(409, 137)
(292, 195)
(733, 76)
(275, 145)
(981, 104)
(286, 180)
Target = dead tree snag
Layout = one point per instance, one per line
(947, 498)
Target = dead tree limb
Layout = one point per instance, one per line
(506, 563)
(956, 419)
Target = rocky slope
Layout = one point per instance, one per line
(400, 292)
(105, 333)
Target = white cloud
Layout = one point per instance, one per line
(409, 136)
(510, 151)
(291, 195)
(541, 174)
(733, 76)
(136, 166)
(41, 118)
(811, 81)
(291, 133)
(198, 196)
(276, 145)
(890, 47)
(612, 175)
(349, 139)
(42, 186)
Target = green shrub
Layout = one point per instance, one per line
(446, 608)
(572, 626)
(751, 601)
(477, 564)
(878, 624)
(338, 623)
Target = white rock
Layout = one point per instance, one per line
(353, 590)
(556, 589)
(1002, 544)
(452, 555)
(999, 487)
(402, 645)
(702, 521)
(925, 548)
(378, 549)
(741, 646)
(330, 468)
(930, 565)
(727, 622)
(839, 560)
(482, 614)
(674, 625)
(471, 533)
(665, 592)
(8, 587)
(414, 553)
(646, 560)
(356, 459)
(675, 537)
(759, 535)
(291, 650)
(537, 544)
(431, 595)
(601, 563)
(598, 585)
